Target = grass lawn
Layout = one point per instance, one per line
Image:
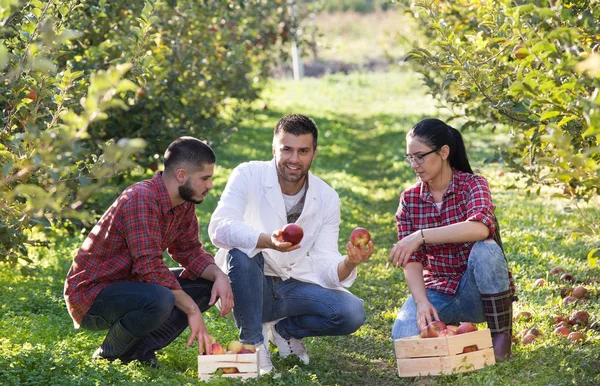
(362, 120)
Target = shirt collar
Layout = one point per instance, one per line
(162, 193)
(426, 195)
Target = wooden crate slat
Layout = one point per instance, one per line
(417, 347)
(413, 367)
(247, 365)
(481, 338)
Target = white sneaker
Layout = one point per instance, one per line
(266, 332)
(265, 366)
(290, 347)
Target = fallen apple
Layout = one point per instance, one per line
(576, 336)
(569, 299)
(564, 292)
(563, 323)
(556, 271)
(580, 318)
(540, 282)
(522, 316)
(292, 233)
(360, 236)
(567, 277)
(579, 292)
(529, 338)
(563, 331)
(559, 318)
(466, 327)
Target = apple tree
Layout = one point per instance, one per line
(533, 66)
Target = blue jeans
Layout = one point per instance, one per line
(145, 309)
(487, 273)
(306, 309)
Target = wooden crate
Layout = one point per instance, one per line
(418, 356)
(247, 365)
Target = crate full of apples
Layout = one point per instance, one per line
(239, 360)
(444, 349)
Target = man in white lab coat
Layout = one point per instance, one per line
(287, 291)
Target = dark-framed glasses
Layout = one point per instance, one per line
(418, 158)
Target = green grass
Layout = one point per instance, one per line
(362, 120)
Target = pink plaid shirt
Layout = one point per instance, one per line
(127, 245)
(468, 198)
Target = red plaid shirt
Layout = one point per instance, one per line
(468, 198)
(127, 245)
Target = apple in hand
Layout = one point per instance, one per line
(466, 327)
(292, 233)
(360, 236)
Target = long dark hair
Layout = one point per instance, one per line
(435, 133)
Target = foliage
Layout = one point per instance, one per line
(362, 120)
(361, 6)
(90, 89)
(533, 66)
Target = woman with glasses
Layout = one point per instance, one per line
(448, 241)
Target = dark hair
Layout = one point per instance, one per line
(297, 124)
(435, 134)
(188, 150)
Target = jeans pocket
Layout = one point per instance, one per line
(94, 323)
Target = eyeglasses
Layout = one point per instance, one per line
(418, 158)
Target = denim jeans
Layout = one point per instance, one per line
(143, 307)
(487, 273)
(305, 309)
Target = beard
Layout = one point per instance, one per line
(186, 192)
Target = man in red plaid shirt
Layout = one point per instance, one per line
(118, 280)
(449, 243)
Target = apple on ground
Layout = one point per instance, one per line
(217, 349)
(563, 331)
(292, 233)
(579, 317)
(466, 327)
(360, 236)
(557, 271)
(540, 282)
(569, 299)
(522, 315)
(567, 277)
(579, 292)
(235, 346)
(560, 318)
(529, 338)
(576, 336)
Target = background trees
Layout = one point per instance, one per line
(90, 89)
(532, 66)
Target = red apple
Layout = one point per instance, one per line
(470, 349)
(563, 331)
(566, 291)
(563, 323)
(527, 339)
(567, 277)
(432, 330)
(235, 346)
(556, 271)
(447, 332)
(451, 327)
(249, 347)
(559, 318)
(360, 236)
(216, 349)
(579, 292)
(579, 317)
(520, 52)
(466, 327)
(230, 370)
(569, 300)
(522, 315)
(576, 336)
(540, 282)
(292, 233)
(246, 351)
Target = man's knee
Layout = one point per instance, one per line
(353, 316)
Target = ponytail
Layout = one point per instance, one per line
(458, 154)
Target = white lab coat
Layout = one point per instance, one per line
(252, 203)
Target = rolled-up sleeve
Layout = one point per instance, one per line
(141, 229)
(227, 228)
(187, 250)
(406, 227)
(480, 207)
